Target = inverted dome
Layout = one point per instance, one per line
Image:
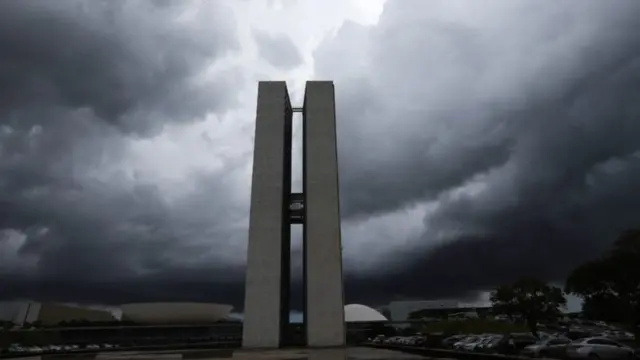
(362, 313)
(175, 313)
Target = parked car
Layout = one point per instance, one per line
(493, 345)
(417, 340)
(460, 345)
(552, 347)
(618, 335)
(578, 333)
(480, 343)
(378, 339)
(448, 342)
(472, 345)
(598, 348)
(391, 340)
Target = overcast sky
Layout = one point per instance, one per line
(478, 141)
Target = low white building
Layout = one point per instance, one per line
(361, 313)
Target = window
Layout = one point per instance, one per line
(602, 342)
(558, 342)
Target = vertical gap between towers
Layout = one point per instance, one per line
(296, 295)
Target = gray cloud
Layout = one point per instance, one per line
(80, 81)
(508, 128)
(278, 50)
(136, 72)
(529, 109)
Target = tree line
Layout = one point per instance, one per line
(609, 287)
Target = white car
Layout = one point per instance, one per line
(487, 342)
(392, 340)
(599, 348)
(490, 346)
(619, 335)
(460, 345)
(475, 345)
(547, 348)
(34, 349)
(17, 348)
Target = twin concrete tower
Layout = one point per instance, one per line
(274, 208)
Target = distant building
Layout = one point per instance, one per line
(175, 313)
(9, 310)
(364, 322)
(361, 313)
(384, 310)
(50, 314)
(402, 310)
(53, 314)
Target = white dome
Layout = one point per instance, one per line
(361, 313)
(175, 313)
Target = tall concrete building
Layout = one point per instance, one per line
(274, 208)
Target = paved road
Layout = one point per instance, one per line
(355, 353)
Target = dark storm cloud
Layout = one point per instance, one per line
(127, 242)
(533, 112)
(131, 63)
(79, 80)
(172, 286)
(511, 127)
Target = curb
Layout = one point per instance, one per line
(444, 353)
(191, 351)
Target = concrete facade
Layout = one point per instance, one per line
(323, 244)
(266, 309)
(274, 208)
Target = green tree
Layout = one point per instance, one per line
(531, 299)
(610, 285)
